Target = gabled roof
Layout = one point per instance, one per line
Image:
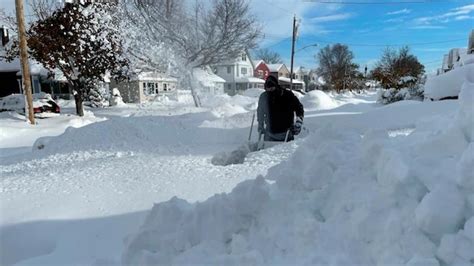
(276, 67)
(206, 76)
(153, 76)
(256, 63)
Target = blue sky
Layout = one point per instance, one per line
(429, 28)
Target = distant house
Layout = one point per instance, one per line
(279, 70)
(284, 82)
(209, 82)
(458, 65)
(145, 86)
(42, 80)
(470, 45)
(302, 74)
(261, 70)
(238, 74)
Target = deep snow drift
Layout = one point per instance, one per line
(382, 197)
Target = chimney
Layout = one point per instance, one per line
(4, 35)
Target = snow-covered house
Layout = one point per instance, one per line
(279, 70)
(457, 67)
(145, 86)
(11, 79)
(208, 81)
(470, 44)
(297, 84)
(302, 74)
(238, 74)
(261, 70)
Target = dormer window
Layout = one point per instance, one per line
(244, 57)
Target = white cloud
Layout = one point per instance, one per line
(459, 13)
(329, 18)
(394, 20)
(276, 18)
(398, 12)
(463, 17)
(427, 27)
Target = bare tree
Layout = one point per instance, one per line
(168, 35)
(41, 9)
(398, 69)
(336, 67)
(269, 56)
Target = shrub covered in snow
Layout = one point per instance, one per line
(392, 95)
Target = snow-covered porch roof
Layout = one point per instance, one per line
(287, 80)
(153, 76)
(249, 80)
(206, 76)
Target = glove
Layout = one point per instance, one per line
(296, 128)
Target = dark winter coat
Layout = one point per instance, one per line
(277, 109)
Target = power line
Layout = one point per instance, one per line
(392, 45)
(374, 3)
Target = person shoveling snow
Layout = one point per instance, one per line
(276, 122)
(276, 113)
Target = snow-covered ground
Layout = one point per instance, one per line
(367, 185)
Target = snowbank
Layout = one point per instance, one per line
(448, 84)
(318, 100)
(351, 199)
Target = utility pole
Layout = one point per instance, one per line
(292, 52)
(24, 60)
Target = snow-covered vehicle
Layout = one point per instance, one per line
(42, 103)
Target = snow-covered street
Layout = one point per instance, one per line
(83, 197)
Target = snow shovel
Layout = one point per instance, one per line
(236, 156)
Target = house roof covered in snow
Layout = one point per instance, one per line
(36, 68)
(249, 80)
(276, 67)
(295, 81)
(153, 76)
(206, 76)
(257, 62)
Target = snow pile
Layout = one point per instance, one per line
(318, 100)
(116, 99)
(14, 102)
(351, 199)
(448, 84)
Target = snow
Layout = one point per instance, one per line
(206, 77)
(360, 190)
(318, 100)
(448, 84)
(367, 185)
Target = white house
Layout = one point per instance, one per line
(208, 81)
(458, 66)
(145, 86)
(238, 74)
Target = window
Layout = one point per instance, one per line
(145, 89)
(151, 88)
(229, 70)
(165, 87)
(243, 71)
(260, 73)
(229, 86)
(244, 57)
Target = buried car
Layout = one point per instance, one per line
(42, 103)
